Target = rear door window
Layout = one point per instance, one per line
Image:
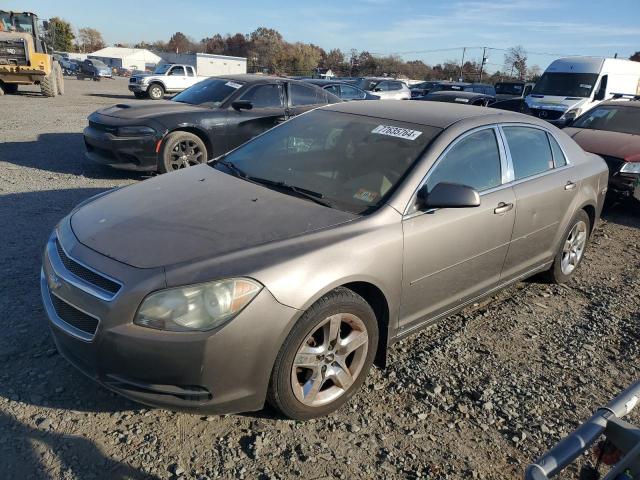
(301, 95)
(472, 161)
(530, 151)
(351, 93)
(558, 156)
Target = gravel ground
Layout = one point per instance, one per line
(477, 396)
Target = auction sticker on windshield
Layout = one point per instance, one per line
(233, 85)
(399, 132)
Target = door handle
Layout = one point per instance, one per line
(570, 185)
(502, 208)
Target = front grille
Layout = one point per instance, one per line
(13, 52)
(614, 164)
(74, 317)
(102, 127)
(545, 114)
(86, 274)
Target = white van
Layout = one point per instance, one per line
(571, 86)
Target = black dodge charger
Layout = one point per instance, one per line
(203, 122)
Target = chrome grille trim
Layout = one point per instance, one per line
(70, 277)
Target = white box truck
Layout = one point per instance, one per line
(571, 86)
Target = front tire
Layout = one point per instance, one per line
(49, 85)
(155, 91)
(571, 250)
(326, 356)
(59, 78)
(181, 150)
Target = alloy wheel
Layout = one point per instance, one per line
(574, 247)
(329, 360)
(185, 153)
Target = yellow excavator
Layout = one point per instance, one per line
(24, 58)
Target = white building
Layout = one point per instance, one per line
(208, 64)
(129, 58)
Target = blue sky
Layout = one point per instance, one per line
(412, 28)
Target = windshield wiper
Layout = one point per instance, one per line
(231, 166)
(300, 191)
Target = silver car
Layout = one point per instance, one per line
(386, 88)
(284, 269)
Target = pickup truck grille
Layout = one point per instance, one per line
(13, 52)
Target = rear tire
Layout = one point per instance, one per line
(181, 150)
(155, 91)
(59, 78)
(49, 85)
(326, 357)
(571, 252)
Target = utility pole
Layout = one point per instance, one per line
(464, 49)
(484, 59)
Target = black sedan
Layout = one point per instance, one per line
(203, 122)
(464, 98)
(342, 89)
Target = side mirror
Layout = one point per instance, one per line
(448, 195)
(242, 105)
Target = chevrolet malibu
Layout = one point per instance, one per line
(284, 269)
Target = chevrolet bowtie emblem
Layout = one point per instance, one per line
(54, 281)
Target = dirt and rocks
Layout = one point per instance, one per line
(476, 396)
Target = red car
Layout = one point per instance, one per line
(612, 130)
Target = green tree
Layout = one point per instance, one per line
(59, 35)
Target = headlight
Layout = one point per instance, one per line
(571, 114)
(630, 167)
(197, 307)
(135, 131)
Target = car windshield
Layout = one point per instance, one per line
(209, 93)
(351, 162)
(98, 64)
(509, 88)
(161, 69)
(16, 22)
(566, 84)
(611, 118)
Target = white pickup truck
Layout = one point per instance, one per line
(166, 78)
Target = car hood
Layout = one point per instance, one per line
(614, 144)
(196, 213)
(149, 109)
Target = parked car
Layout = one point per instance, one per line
(612, 130)
(512, 89)
(573, 85)
(513, 105)
(166, 78)
(93, 69)
(385, 88)
(344, 90)
(422, 88)
(282, 269)
(464, 97)
(70, 67)
(483, 88)
(203, 122)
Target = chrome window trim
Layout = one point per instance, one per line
(549, 171)
(503, 167)
(59, 322)
(69, 277)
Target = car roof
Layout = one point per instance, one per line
(621, 103)
(255, 78)
(433, 114)
(324, 81)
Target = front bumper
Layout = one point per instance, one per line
(222, 371)
(138, 88)
(624, 184)
(135, 153)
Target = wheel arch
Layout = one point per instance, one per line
(157, 82)
(590, 209)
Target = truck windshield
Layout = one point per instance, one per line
(17, 22)
(503, 88)
(566, 84)
(161, 69)
(208, 93)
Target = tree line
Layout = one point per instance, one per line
(267, 51)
